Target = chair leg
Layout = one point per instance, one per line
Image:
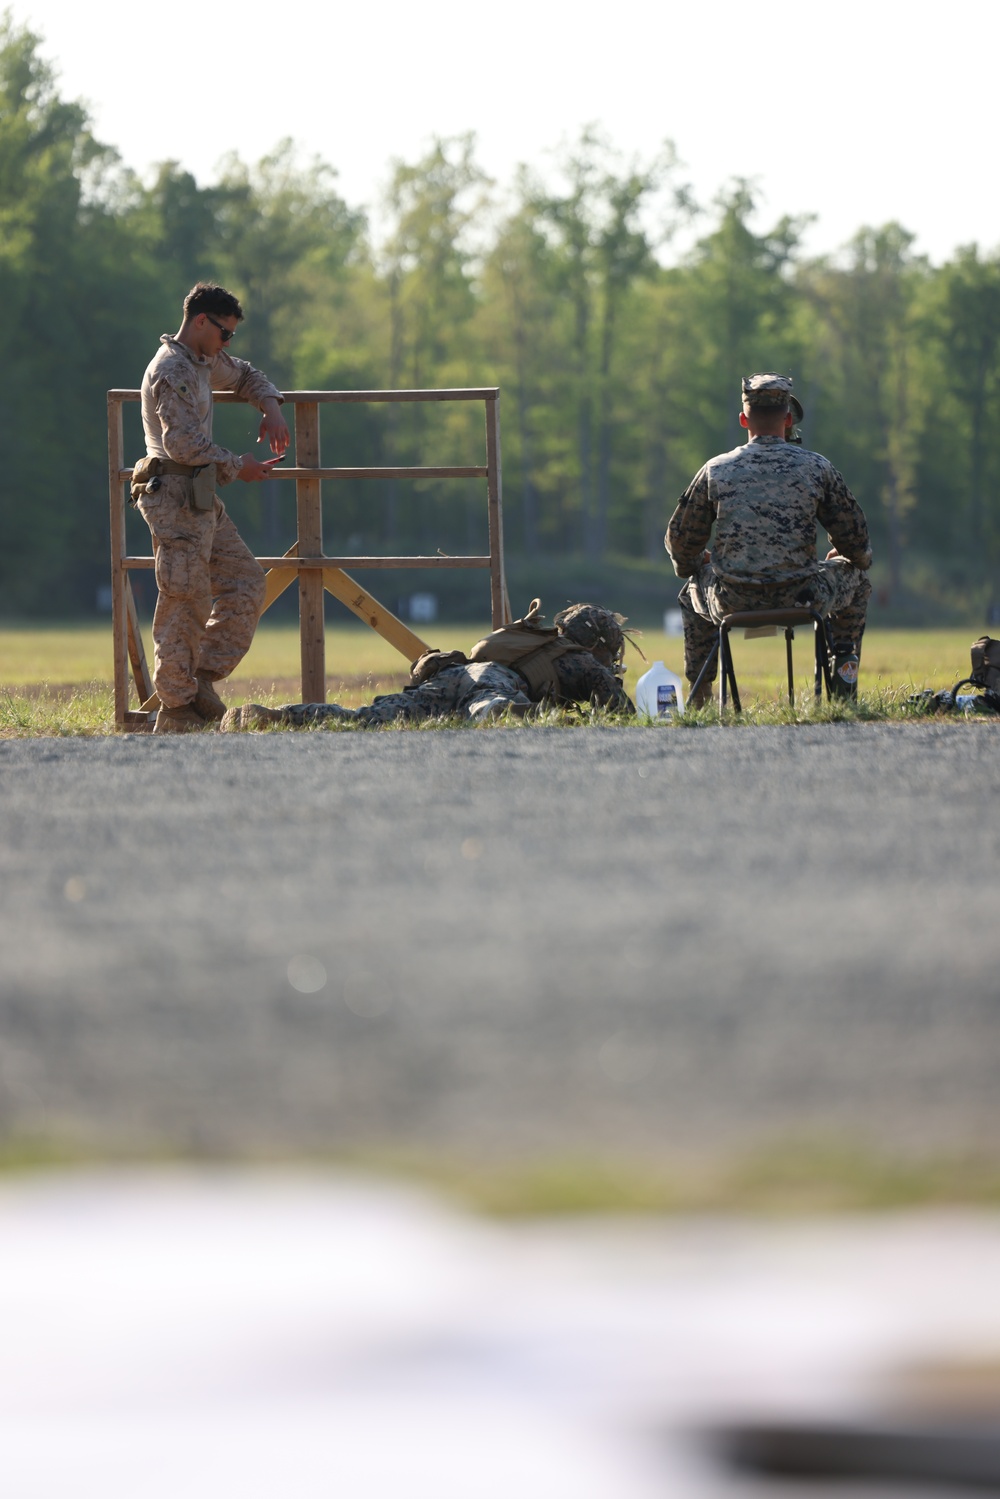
(728, 672)
(822, 677)
(701, 675)
(789, 637)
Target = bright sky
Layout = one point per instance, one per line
(860, 112)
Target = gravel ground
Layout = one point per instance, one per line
(531, 940)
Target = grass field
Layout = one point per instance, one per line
(57, 678)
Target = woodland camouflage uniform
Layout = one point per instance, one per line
(456, 687)
(210, 586)
(765, 499)
(475, 692)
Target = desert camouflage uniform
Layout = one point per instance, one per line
(765, 499)
(211, 587)
(476, 690)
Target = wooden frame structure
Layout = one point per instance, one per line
(305, 560)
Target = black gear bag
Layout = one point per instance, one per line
(985, 672)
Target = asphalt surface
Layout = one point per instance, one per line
(540, 939)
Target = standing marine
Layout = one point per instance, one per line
(764, 501)
(210, 585)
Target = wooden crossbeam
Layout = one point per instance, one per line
(361, 397)
(382, 564)
(475, 471)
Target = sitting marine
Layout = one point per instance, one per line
(577, 659)
(759, 506)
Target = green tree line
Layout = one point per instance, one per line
(615, 313)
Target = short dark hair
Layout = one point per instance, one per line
(765, 412)
(207, 297)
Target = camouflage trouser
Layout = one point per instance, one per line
(456, 692)
(839, 592)
(211, 589)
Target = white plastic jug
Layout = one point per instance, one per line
(659, 693)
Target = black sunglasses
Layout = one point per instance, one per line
(227, 333)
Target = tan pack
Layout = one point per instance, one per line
(431, 662)
(530, 647)
(525, 644)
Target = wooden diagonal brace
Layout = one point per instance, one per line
(136, 653)
(374, 614)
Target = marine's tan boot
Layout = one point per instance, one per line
(249, 716)
(183, 720)
(207, 701)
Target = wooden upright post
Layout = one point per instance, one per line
(310, 529)
(494, 488)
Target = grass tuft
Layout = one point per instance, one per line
(50, 712)
(879, 704)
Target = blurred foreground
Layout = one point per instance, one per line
(214, 1333)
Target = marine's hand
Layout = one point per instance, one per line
(273, 427)
(831, 554)
(252, 468)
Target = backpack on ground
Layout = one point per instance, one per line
(531, 648)
(526, 644)
(985, 675)
(986, 665)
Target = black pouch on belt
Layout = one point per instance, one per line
(203, 488)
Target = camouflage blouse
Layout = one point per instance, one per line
(177, 404)
(765, 499)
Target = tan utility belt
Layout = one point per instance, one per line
(148, 471)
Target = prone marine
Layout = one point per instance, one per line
(577, 659)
